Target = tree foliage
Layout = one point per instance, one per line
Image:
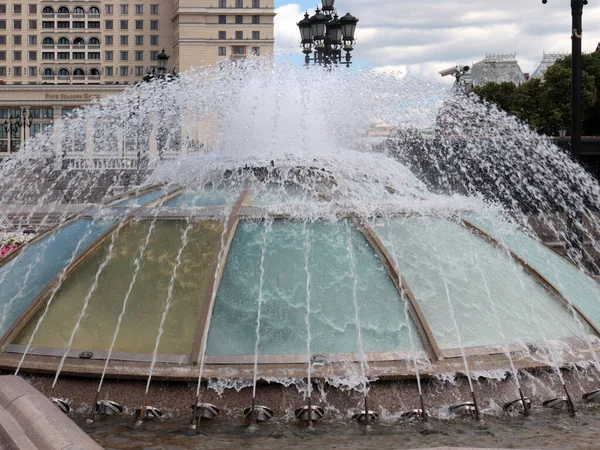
(546, 105)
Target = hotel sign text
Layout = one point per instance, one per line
(84, 97)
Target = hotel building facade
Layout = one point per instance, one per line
(57, 55)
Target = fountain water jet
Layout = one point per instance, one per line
(310, 189)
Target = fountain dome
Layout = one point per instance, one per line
(271, 265)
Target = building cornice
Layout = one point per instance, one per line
(62, 87)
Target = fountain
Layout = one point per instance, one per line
(289, 274)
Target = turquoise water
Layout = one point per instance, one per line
(457, 275)
(332, 320)
(209, 196)
(580, 289)
(144, 199)
(24, 277)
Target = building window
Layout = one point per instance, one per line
(139, 9)
(139, 40)
(153, 9)
(239, 19)
(16, 9)
(47, 55)
(222, 51)
(256, 35)
(256, 51)
(239, 35)
(139, 24)
(154, 55)
(239, 3)
(153, 40)
(238, 50)
(47, 24)
(62, 55)
(2, 24)
(62, 25)
(79, 24)
(2, 71)
(17, 40)
(17, 24)
(256, 3)
(32, 71)
(35, 127)
(222, 35)
(222, 19)
(47, 113)
(18, 71)
(33, 24)
(124, 56)
(94, 55)
(2, 40)
(255, 19)
(2, 56)
(154, 24)
(32, 56)
(108, 40)
(17, 55)
(108, 24)
(108, 71)
(108, 56)
(124, 40)
(124, 24)
(93, 25)
(124, 71)
(124, 9)
(222, 3)
(108, 9)
(32, 9)
(3, 9)
(139, 71)
(32, 40)
(78, 55)
(139, 56)
(34, 113)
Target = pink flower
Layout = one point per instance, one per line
(6, 250)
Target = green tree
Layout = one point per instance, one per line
(528, 103)
(546, 105)
(500, 94)
(557, 84)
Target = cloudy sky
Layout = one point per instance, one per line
(422, 37)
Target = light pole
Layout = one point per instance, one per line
(577, 13)
(16, 124)
(327, 35)
(159, 73)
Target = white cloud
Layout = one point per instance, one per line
(287, 36)
(421, 38)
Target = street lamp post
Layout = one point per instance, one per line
(17, 124)
(326, 36)
(577, 13)
(159, 73)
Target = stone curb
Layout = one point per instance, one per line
(28, 420)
